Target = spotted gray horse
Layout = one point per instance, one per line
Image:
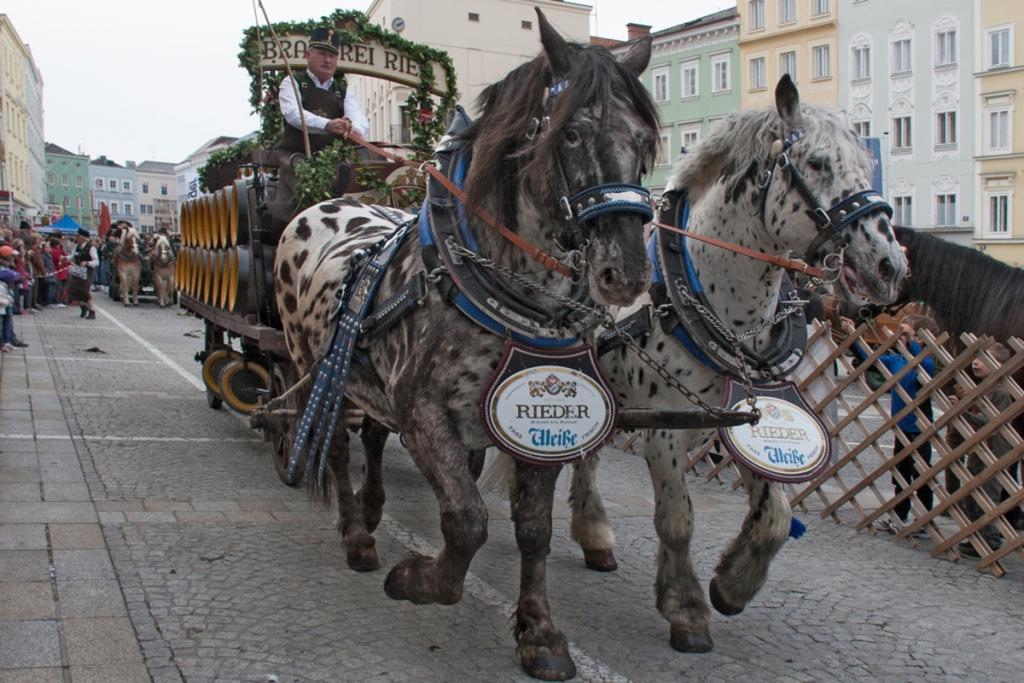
(741, 191)
(424, 376)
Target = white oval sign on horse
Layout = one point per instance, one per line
(789, 443)
(548, 407)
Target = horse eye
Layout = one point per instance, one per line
(817, 163)
(572, 136)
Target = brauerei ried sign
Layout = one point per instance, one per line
(367, 58)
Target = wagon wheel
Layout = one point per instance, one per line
(242, 385)
(213, 364)
(284, 430)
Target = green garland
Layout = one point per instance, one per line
(315, 176)
(424, 133)
(231, 154)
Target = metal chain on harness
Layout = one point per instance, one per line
(608, 321)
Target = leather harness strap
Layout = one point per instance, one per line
(795, 265)
(536, 253)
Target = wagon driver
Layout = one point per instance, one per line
(331, 110)
(85, 261)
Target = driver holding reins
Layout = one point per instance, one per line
(329, 107)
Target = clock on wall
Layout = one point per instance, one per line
(398, 24)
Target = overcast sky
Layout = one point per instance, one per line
(136, 79)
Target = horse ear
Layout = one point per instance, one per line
(638, 56)
(787, 100)
(557, 51)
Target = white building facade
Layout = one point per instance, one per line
(36, 140)
(484, 38)
(906, 77)
(156, 193)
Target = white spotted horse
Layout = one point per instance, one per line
(128, 266)
(574, 123)
(792, 179)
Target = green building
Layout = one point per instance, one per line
(67, 185)
(693, 77)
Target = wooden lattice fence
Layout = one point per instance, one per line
(868, 448)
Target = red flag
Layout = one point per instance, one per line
(104, 223)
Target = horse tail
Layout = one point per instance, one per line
(498, 474)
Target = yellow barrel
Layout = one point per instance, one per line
(216, 274)
(215, 201)
(240, 213)
(206, 234)
(197, 270)
(231, 210)
(222, 217)
(225, 278)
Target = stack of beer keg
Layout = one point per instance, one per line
(215, 262)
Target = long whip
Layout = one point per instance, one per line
(291, 77)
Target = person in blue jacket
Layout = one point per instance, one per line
(894, 361)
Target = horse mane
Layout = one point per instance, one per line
(501, 154)
(966, 290)
(736, 149)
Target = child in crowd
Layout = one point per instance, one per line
(997, 444)
(894, 361)
(9, 281)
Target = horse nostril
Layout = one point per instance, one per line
(885, 269)
(609, 277)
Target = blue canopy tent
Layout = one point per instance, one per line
(67, 225)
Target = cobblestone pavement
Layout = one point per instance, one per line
(144, 536)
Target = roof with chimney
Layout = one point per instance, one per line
(723, 15)
(104, 161)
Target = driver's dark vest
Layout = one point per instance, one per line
(328, 103)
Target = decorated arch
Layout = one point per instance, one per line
(366, 49)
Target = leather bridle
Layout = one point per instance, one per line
(831, 221)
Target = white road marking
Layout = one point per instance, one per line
(96, 437)
(192, 379)
(98, 359)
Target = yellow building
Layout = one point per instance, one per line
(797, 37)
(14, 153)
(1000, 159)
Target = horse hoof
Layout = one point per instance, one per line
(600, 560)
(363, 559)
(549, 667)
(404, 582)
(688, 641)
(719, 603)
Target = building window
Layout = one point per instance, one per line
(787, 64)
(145, 188)
(861, 63)
(901, 56)
(757, 74)
(81, 203)
(720, 72)
(756, 14)
(474, 16)
(901, 133)
(945, 209)
(862, 129)
(664, 152)
(50, 180)
(691, 82)
(822, 57)
(65, 180)
(945, 128)
(998, 219)
(945, 48)
(903, 206)
(528, 25)
(99, 183)
(126, 186)
(998, 121)
(999, 48)
(689, 134)
(660, 80)
(128, 209)
(111, 184)
(79, 181)
(115, 208)
(163, 190)
(819, 7)
(787, 11)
